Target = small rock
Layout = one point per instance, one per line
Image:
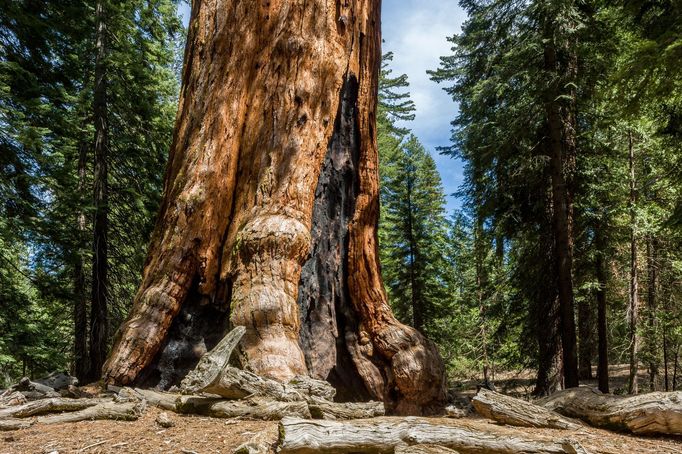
(164, 420)
(9, 439)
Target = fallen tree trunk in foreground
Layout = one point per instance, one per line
(517, 412)
(51, 405)
(424, 449)
(385, 435)
(109, 410)
(260, 408)
(652, 413)
(14, 424)
(254, 408)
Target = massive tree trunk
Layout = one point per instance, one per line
(270, 210)
(99, 330)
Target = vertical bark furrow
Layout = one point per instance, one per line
(323, 300)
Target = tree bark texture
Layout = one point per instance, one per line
(99, 325)
(80, 313)
(517, 412)
(602, 322)
(385, 435)
(652, 303)
(633, 307)
(651, 413)
(270, 208)
(561, 151)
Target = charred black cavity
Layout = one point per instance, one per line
(323, 298)
(198, 328)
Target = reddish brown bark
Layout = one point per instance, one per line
(278, 103)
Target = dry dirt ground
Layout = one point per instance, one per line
(201, 435)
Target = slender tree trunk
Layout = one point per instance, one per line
(561, 152)
(586, 346)
(602, 323)
(481, 285)
(80, 317)
(271, 205)
(634, 282)
(99, 329)
(652, 277)
(550, 365)
(675, 367)
(666, 344)
(417, 312)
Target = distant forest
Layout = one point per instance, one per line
(565, 258)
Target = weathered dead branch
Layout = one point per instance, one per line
(253, 408)
(517, 412)
(51, 405)
(108, 410)
(384, 435)
(14, 424)
(652, 413)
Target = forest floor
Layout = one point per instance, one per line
(204, 435)
(201, 435)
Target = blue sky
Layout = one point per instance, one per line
(415, 31)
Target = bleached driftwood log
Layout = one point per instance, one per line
(109, 410)
(261, 443)
(166, 401)
(51, 405)
(652, 413)
(214, 375)
(323, 409)
(261, 408)
(517, 412)
(424, 449)
(253, 408)
(384, 435)
(14, 424)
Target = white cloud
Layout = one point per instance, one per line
(416, 31)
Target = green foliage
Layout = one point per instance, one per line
(46, 82)
(625, 92)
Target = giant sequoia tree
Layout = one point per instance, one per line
(270, 210)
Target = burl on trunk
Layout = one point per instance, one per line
(270, 210)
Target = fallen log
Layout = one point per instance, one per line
(166, 401)
(260, 443)
(33, 390)
(385, 435)
(253, 408)
(109, 410)
(424, 449)
(51, 405)
(323, 409)
(14, 424)
(651, 413)
(517, 412)
(58, 381)
(11, 398)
